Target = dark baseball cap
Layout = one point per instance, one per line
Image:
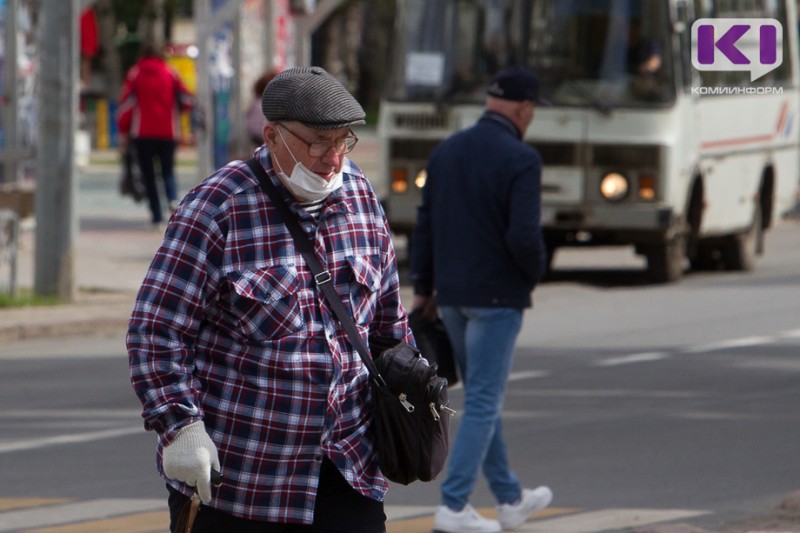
(311, 96)
(515, 83)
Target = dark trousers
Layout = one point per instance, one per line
(339, 509)
(147, 151)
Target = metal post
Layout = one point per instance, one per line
(202, 14)
(306, 25)
(208, 21)
(56, 186)
(240, 140)
(269, 35)
(10, 113)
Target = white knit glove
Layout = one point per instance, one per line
(190, 457)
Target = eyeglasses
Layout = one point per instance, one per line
(342, 146)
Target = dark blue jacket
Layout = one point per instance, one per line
(478, 242)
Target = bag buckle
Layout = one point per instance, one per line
(322, 277)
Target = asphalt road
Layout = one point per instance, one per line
(684, 396)
(676, 402)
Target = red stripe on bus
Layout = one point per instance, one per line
(754, 139)
(733, 142)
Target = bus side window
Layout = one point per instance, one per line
(685, 44)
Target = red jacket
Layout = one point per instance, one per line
(90, 43)
(152, 97)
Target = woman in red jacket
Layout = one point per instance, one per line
(149, 113)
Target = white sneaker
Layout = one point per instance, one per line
(513, 515)
(467, 520)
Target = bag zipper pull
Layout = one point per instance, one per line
(447, 410)
(434, 412)
(404, 400)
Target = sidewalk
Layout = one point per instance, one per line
(113, 250)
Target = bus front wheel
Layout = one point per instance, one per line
(665, 260)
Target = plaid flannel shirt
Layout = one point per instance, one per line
(228, 327)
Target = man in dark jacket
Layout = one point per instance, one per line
(479, 246)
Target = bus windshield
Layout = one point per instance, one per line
(599, 53)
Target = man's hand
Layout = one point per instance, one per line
(190, 457)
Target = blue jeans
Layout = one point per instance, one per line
(483, 341)
(146, 151)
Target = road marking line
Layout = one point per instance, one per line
(71, 513)
(698, 348)
(152, 522)
(73, 438)
(732, 343)
(607, 519)
(608, 393)
(405, 512)
(514, 376)
(790, 334)
(424, 524)
(632, 358)
(527, 374)
(91, 413)
(10, 504)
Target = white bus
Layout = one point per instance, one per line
(640, 147)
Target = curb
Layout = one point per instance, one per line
(24, 332)
(90, 314)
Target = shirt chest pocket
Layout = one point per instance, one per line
(364, 291)
(265, 304)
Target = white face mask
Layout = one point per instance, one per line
(305, 185)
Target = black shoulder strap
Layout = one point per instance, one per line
(321, 276)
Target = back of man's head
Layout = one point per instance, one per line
(517, 84)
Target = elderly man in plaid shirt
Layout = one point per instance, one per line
(240, 364)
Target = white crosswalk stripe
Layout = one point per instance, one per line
(74, 512)
(606, 519)
(702, 348)
(403, 512)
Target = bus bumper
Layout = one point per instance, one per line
(609, 225)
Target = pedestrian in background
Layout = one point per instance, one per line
(478, 253)
(152, 99)
(90, 44)
(254, 120)
(239, 362)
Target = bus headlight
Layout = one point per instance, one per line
(421, 178)
(614, 186)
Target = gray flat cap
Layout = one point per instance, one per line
(311, 96)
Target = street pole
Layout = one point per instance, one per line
(306, 25)
(210, 16)
(56, 184)
(205, 148)
(10, 111)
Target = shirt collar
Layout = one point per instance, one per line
(502, 119)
